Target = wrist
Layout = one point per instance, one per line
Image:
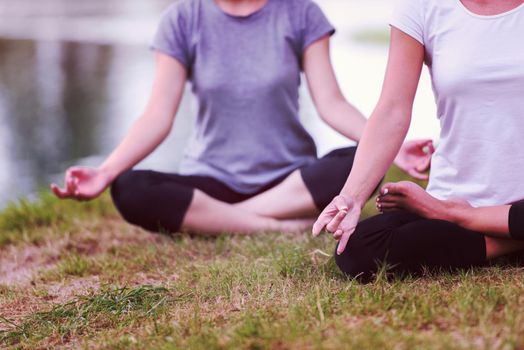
(355, 198)
(108, 173)
(455, 213)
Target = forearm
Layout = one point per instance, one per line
(380, 143)
(344, 118)
(143, 138)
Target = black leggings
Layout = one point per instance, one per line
(158, 202)
(407, 244)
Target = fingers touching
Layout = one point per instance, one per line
(339, 218)
(429, 147)
(340, 203)
(415, 158)
(70, 184)
(333, 225)
(59, 192)
(331, 216)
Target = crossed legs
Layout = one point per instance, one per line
(169, 202)
(287, 207)
(161, 202)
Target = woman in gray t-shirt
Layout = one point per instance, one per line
(250, 164)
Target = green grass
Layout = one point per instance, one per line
(30, 222)
(71, 265)
(113, 306)
(267, 291)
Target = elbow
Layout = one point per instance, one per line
(327, 108)
(158, 124)
(394, 116)
(324, 112)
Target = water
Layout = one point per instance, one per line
(75, 75)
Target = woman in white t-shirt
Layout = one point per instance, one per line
(470, 212)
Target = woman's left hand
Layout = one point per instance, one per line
(414, 158)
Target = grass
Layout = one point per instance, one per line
(29, 222)
(110, 307)
(112, 286)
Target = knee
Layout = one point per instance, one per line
(127, 192)
(360, 265)
(364, 254)
(153, 201)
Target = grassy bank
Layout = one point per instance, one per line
(73, 275)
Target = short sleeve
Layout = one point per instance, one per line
(172, 35)
(408, 17)
(316, 25)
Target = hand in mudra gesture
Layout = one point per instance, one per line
(414, 157)
(339, 218)
(82, 183)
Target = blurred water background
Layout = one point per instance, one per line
(74, 75)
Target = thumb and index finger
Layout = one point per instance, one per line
(70, 183)
(340, 218)
(426, 145)
(332, 216)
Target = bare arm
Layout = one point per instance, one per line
(331, 105)
(154, 125)
(147, 133)
(382, 138)
(414, 157)
(389, 123)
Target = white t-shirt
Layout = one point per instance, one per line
(477, 68)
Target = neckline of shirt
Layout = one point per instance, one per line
(241, 18)
(471, 13)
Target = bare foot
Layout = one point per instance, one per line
(411, 197)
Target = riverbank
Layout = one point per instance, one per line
(73, 275)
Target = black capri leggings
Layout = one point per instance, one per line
(158, 201)
(407, 244)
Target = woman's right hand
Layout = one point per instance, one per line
(82, 183)
(340, 218)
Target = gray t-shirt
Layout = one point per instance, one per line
(245, 73)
